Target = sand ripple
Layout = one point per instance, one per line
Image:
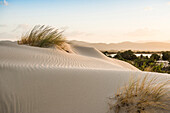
(20, 56)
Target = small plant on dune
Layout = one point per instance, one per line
(140, 96)
(43, 36)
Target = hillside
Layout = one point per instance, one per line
(148, 46)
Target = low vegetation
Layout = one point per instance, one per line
(141, 96)
(145, 63)
(166, 56)
(43, 36)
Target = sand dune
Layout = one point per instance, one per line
(48, 80)
(13, 55)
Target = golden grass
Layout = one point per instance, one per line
(43, 36)
(141, 96)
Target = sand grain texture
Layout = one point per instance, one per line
(46, 80)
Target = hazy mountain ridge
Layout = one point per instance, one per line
(148, 46)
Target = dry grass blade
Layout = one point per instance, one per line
(43, 36)
(141, 96)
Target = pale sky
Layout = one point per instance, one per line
(106, 21)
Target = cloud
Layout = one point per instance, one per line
(78, 33)
(168, 3)
(8, 36)
(3, 25)
(143, 32)
(64, 28)
(4, 2)
(148, 8)
(21, 27)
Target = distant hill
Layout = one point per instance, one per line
(148, 46)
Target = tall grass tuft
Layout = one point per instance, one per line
(141, 96)
(43, 36)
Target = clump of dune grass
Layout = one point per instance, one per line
(43, 36)
(141, 96)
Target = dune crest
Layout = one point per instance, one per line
(24, 56)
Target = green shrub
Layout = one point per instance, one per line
(155, 56)
(166, 55)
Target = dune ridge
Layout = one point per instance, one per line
(48, 80)
(34, 57)
(135, 46)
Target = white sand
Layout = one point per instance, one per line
(41, 80)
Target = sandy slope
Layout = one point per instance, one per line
(41, 80)
(13, 55)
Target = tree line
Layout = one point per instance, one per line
(145, 63)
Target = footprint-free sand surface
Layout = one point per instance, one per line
(49, 80)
